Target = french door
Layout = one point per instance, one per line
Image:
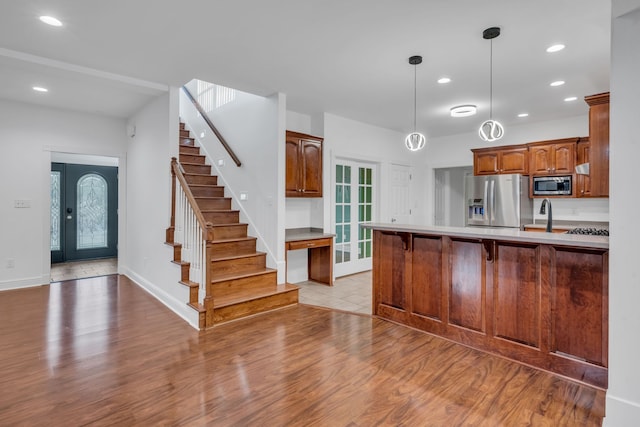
(84, 212)
(354, 197)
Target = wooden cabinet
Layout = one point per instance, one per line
(556, 157)
(599, 144)
(541, 304)
(501, 160)
(304, 165)
(583, 182)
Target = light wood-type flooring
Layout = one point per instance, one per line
(102, 351)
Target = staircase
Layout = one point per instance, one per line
(240, 284)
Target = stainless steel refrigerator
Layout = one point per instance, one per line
(498, 201)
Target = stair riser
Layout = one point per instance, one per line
(184, 132)
(261, 282)
(182, 126)
(211, 191)
(192, 158)
(203, 180)
(238, 265)
(241, 247)
(189, 142)
(199, 169)
(222, 217)
(220, 203)
(261, 305)
(186, 149)
(228, 232)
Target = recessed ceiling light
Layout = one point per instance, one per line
(444, 80)
(463, 110)
(557, 83)
(523, 115)
(50, 20)
(570, 98)
(40, 89)
(555, 48)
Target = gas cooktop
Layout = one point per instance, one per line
(590, 231)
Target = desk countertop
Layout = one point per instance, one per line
(305, 233)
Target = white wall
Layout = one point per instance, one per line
(455, 150)
(623, 396)
(148, 199)
(251, 126)
(29, 134)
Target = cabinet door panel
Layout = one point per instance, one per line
(564, 158)
(517, 302)
(427, 280)
(311, 168)
(514, 161)
(292, 175)
(540, 160)
(466, 293)
(391, 277)
(486, 163)
(584, 181)
(579, 305)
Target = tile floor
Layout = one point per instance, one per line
(348, 293)
(83, 269)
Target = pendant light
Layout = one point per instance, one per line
(491, 130)
(415, 141)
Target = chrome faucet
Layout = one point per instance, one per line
(549, 217)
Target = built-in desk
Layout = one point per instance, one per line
(319, 246)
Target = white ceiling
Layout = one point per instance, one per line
(348, 58)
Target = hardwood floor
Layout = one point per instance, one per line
(102, 351)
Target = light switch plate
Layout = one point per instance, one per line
(22, 203)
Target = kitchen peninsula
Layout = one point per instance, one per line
(537, 298)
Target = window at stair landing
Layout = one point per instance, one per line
(92, 228)
(211, 96)
(55, 211)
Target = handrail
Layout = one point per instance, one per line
(176, 170)
(213, 128)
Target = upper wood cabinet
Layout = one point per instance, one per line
(556, 157)
(304, 165)
(583, 182)
(599, 143)
(501, 160)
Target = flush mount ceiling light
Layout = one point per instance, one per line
(555, 48)
(491, 130)
(557, 83)
(463, 111)
(570, 98)
(415, 141)
(444, 80)
(40, 89)
(50, 20)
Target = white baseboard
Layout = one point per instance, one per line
(178, 307)
(24, 283)
(621, 412)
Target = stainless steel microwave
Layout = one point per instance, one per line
(552, 185)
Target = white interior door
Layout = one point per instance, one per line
(354, 200)
(400, 194)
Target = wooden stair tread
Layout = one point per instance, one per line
(197, 306)
(245, 296)
(234, 239)
(230, 257)
(236, 276)
(189, 283)
(211, 197)
(218, 210)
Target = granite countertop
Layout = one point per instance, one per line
(511, 234)
(569, 225)
(305, 233)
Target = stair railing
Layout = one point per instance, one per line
(203, 113)
(191, 230)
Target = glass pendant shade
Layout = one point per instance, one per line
(491, 130)
(415, 141)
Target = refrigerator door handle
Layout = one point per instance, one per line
(485, 212)
(493, 201)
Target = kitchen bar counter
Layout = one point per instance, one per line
(537, 298)
(507, 234)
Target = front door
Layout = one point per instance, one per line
(354, 193)
(84, 212)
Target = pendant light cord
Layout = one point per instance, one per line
(491, 81)
(414, 97)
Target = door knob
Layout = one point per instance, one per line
(69, 210)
